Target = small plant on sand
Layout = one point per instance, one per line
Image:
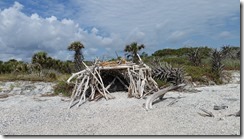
(63, 88)
(12, 87)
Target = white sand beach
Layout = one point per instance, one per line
(176, 114)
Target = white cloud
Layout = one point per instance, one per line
(17, 6)
(51, 19)
(158, 19)
(94, 31)
(93, 49)
(105, 26)
(22, 35)
(176, 36)
(225, 34)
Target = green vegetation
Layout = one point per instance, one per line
(11, 87)
(201, 64)
(78, 56)
(63, 88)
(132, 51)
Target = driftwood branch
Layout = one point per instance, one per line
(160, 93)
(237, 114)
(206, 113)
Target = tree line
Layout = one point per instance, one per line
(190, 55)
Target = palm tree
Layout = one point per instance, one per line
(40, 58)
(216, 61)
(132, 51)
(49, 62)
(226, 51)
(195, 57)
(78, 56)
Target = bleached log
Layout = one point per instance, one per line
(132, 84)
(142, 87)
(206, 113)
(79, 89)
(162, 92)
(101, 81)
(114, 68)
(75, 74)
(74, 89)
(83, 97)
(92, 92)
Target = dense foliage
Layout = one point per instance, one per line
(199, 63)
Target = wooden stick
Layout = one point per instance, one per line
(74, 89)
(92, 92)
(75, 74)
(104, 94)
(158, 94)
(95, 77)
(84, 92)
(208, 113)
(121, 82)
(117, 67)
(79, 89)
(101, 81)
(142, 87)
(110, 84)
(173, 102)
(132, 83)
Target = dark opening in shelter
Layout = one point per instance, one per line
(116, 79)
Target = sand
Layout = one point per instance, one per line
(176, 114)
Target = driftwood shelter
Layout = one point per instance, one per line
(102, 78)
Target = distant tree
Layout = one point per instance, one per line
(9, 66)
(132, 51)
(78, 56)
(21, 68)
(205, 51)
(144, 55)
(226, 51)
(195, 57)
(1, 67)
(238, 54)
(49, 62)
(40, 58)
(230, 51)
(165, 52)
(216, 61)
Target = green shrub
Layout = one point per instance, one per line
(161, 82)
(52, 76)
(232, 64)
(198, 73)
(63, 88)
(176, 60)
(214, 77)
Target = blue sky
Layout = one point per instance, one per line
(106, 26)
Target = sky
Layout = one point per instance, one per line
(107, 26)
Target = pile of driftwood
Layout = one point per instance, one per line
(90, 82)
(96, 81)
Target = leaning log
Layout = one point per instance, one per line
(160, 93)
